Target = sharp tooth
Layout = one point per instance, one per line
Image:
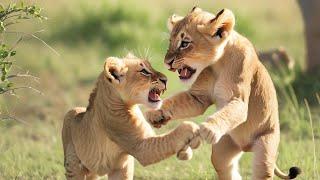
(184, 72)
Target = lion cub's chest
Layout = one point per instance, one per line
(98, 153)
(112, 157)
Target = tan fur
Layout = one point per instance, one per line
(230, 75)
(103, 138)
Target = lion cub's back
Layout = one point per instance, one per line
(68, 118)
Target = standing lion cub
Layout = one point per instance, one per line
(224, 69)
(104, 137)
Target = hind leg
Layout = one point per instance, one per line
(124, 173)
(265, 155)
(74, 169)
(225, 156)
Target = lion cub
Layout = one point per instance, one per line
(224, 69)
(103, 138)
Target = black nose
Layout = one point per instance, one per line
(164, 80)
(171, 62)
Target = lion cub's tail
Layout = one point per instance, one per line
(293, 173)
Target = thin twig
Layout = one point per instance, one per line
(8, 117)
(21, 87)
(16, 43)
(10, 23)
(36, 79)
(52, 49)
(36, 37)
(15, 15)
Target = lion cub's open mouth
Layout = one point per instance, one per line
(186, 72)
(154, 95)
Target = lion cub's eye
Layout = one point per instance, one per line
(145, 72)
(184, 44)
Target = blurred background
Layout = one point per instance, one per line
(81, 34)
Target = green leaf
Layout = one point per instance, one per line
(10, 84)
(2, 28)
(13, 53)
(4, 54)
(7, 67)
(3, 77)
(12, 6)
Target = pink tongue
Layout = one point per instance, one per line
(185, 72)
(154, 96)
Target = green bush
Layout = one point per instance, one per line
(12, 14)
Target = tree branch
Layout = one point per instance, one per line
(36, 37)
(8, 117)
(11, 90)
(36, 79)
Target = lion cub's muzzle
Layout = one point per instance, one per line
(159, 87)
(169, 60)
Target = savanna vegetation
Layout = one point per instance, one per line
(81, 34)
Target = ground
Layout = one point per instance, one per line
(85, 33)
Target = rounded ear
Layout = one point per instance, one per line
(115, 69)
(219, 26)
(172, 21)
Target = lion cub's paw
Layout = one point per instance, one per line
(195, 142)
(185, 154)
(157, 118)
(209, 133)
(188, 133)
(189, 129)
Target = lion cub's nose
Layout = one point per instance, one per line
(170, 62)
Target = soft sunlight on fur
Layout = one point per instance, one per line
(229, 74)
(103, 138)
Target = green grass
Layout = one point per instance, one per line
(86, 33)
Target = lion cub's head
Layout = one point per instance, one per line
(135, 80)
(197, 41)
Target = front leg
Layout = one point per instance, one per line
(154, 149)
(224, 120)
(231, 92)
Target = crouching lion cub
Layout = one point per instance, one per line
(224, 69)
(104, 137)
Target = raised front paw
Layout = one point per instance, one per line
(188, 135)
(186, 152)
(157, 118)
(210, 133)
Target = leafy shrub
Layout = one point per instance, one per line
(12, 14)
